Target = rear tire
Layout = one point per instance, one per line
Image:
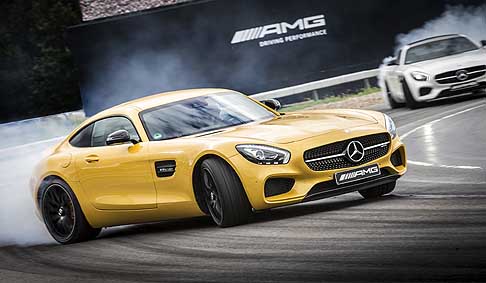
(393, 103)
(378, 191)
(409, 99)
(62, 214)
(225, 196)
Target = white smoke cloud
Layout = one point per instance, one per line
(18, 223)
(466, 20)
(19, 153)
(381, 76)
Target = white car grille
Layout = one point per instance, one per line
(461, 75)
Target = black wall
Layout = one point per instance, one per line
(189, 46)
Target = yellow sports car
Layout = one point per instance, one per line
(209, 152)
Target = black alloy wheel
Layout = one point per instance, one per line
(58, 211)
(213, 200)
(224, 195)
(62, 213)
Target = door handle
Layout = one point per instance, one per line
(91, 158)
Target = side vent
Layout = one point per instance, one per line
(278, 186)
(165, 168)
(396, 158)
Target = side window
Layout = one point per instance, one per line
(104, 127)
(83, 137)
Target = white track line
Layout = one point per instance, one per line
(443, 166)
(419, 163)
(441, 196)
(440, 119)
(440, 181)
(30, 144)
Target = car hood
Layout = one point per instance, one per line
(454, 62)
(293, 127)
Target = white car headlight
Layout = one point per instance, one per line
(263, 154)
(390, 126)
(419, 76)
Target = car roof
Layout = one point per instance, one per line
(432, 39)
(147, 102)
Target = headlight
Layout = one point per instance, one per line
(263, 154)
(390, 126)
(419, 76)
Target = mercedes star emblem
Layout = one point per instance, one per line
(462, 75)
(355, 151)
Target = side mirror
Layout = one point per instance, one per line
(272, 103)
(483, 43)
(392, 62)
(120, 136)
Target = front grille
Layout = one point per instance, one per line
(451, 92)
(451, 76)
(338, 148)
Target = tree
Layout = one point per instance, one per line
(37, 74)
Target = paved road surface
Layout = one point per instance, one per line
(432, 228)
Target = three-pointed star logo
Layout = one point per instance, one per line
(355, 151)
(462, 75)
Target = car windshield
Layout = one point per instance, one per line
(439, 48)
(201, 114)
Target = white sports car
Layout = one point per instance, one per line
(433, 68)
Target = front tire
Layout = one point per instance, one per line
(378, 191)
(393, 103)
(409, 99)
(224, 194)
(62, 214)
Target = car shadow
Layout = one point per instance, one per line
(326, 205)
(455, 99)
(301, 209)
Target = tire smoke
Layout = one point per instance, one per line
(24, 144)
(466, 20)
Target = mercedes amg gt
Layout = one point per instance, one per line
(435, 68)
(208, 152)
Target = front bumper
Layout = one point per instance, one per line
(309, 184)
(330, 188)
(429, 90)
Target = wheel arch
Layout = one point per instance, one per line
(84, 205)
(44, 182)
(196, 186)
(409, 92)
(394, 100)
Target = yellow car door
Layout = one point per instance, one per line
(118, 176)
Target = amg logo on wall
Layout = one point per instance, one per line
(312, 25)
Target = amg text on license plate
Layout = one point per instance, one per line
(357, 174)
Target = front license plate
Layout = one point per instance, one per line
(357, 174)
(473, 84)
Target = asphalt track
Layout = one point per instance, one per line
(432, 228)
